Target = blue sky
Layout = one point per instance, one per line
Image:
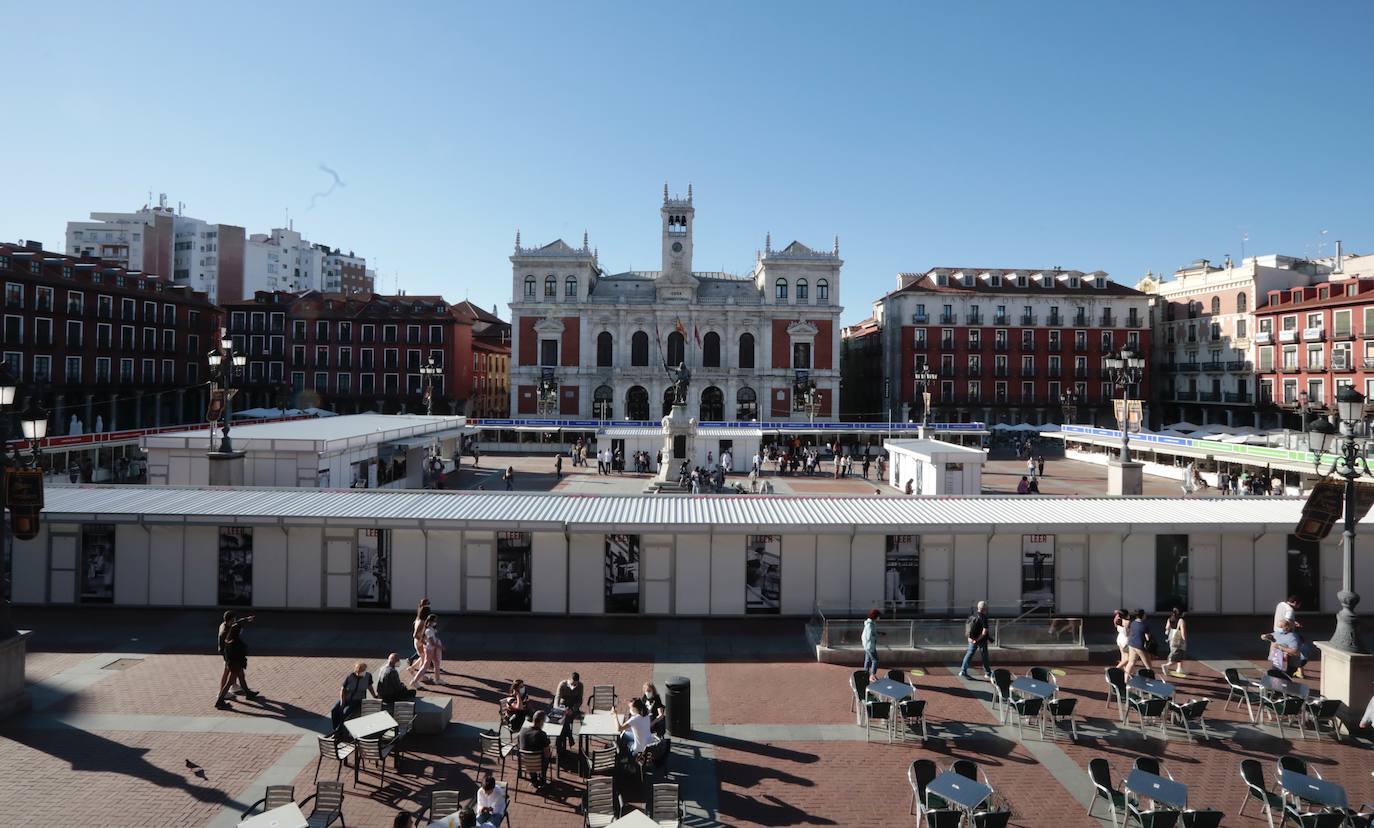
(1107, 136)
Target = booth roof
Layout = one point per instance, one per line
(651, 513)
(368, 427)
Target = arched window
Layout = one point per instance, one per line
(529, 287)
(1242, 302)
(822, 290)
(710, 350)
(677, 349)
(550, 287)
(746, 404)
(746, 350)
(667, 401)
(570, 287)
(712, 404)
(1216, 305)
(1194, 308)
(602, 406)
(603, 349)
(637, 403)
(801, 290)
(780, 290)
(639, 349)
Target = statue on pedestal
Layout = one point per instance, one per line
(682, 378)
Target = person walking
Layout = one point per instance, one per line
(509, 477)
(870, 644)
(417, 631)
(558, 467)
(1040, 464)
(1121, 619)
(865, 467)
(1139, 640)
(976, 631)
(434, 649)
(1176, 634)
(235, 654)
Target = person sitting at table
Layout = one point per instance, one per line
(515, 705)
(355, 687)
(491, 803)
(635, 730)
(534, 738)
(653, 703)
(568, 696)
(390, 687)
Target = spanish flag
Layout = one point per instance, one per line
(677, 326)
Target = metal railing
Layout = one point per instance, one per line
(842, 627)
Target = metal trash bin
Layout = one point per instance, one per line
(677, 701)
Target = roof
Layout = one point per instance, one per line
(467, 308)
(324, 435)
(982, 282)
(618, 432)
(430, 509)
(933, 447)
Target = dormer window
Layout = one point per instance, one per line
(1046, 281)
(941, 280)
(1021, 281)
(969, 280)
(1100, 282)
(996, 280)
(1073, 282)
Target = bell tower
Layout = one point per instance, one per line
(677, 214)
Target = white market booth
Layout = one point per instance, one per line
(934, 467)
(666, 555)
(384, 450)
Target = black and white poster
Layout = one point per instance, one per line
(513, 571)
(622, 573)
(1304, 571)
(902, 575)
(97, 562)
(1037, 572)
(763, 574)
(235, 566)
(374, 568)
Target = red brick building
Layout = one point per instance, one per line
(109, 346)
(1310, 341)
(1008, 345)
(351, 353)
(491, 339)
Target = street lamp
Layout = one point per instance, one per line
(225, 364)
(1346, 448)
(925, 377)
(1125, 369)
(430, 371)
(34, 422)
(1068, 401)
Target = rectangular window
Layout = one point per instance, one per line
(975, 339)
(97, 563)
(1037, 573)
(622, 574)
(321, 331)
(548, 352)
(513, 574)
(321, 382)
(42, 368)
(14, 295)
(298, 329)
(72, 370)
(102, 369)
(169, 372)
(763, 574)
(236, 566)
(297, 381)
(126, 371)
(1171, 572)
(149, 370)
(374, 568)
(344, 383)
(367, 384)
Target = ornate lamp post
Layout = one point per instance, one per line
(1068, 401)
(225, 364)
(1346, 448)
(548, 394)
(924, 377)
(1124, 477)
(429, 370)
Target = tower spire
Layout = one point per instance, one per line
(689, 192)
(584, 239)
(836, 249)
(768, 243)
(517, 240)
(665, 191)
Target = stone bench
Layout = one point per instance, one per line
(432, 714)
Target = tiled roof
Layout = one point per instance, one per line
(982, 282)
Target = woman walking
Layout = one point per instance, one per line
(417, 632)
(1120, 621)
(1176, 634)
(235, 654)
(433, 650)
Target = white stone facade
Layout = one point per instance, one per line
(606, 338)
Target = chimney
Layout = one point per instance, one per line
(1340, 259)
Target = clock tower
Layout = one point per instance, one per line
(677, 216)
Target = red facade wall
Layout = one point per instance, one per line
(823, 394)
(782, 353)
(458, 361)
(781, 408)
(569, 400)
(822, 352)
(529, 341)
(526, 400)
(569, 352)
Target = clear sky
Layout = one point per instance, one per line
(1089, 135)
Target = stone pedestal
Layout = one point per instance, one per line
(226, 468)
(1125, 478)
(1348, 677)
(677, 425)
(13, 699)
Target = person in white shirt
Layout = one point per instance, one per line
(638, 727)
(491, 803)
(1286, 610)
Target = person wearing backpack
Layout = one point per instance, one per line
(976, 631)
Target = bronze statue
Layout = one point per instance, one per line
(682, 377)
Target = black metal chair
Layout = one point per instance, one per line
(912, 712)
(991, 819)
(1145, 673)
(600, 804)
(332, 748)
(1252, 773)
(1191, 713)
(898, 676)
(444, 803)
(1324, 712)
(1116, 690)
(1151, 709)
(1028, 709)
(1205, 818)
(858, 682)
(275, 797)
(1284, 707)
(1312, 819)
(1001, 692)
(1238, 687)
(944, 818)
(918, 775)
(1101, 775)
(491, 747)
(328, 797)
(1155, 817)
(966, 768)
(875, 710)
(1150, 764)
(1061, 709)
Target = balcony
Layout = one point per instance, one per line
(922, 344)
(1238, 365)
(999, 319)
(1080, 347)
(947, 344)
(1000, 345)
(1028, 373)
(1027, 319)
(1055, 373)
(916, 319)
(1055, 346)
(1055, 320)
(1213, 366)
(1209, 396)
(999, 372)
(1107, 320)
(946, 319)
(1339, 335)
(1080, 321)
(1313, 334)
(1237, 396)
(1263, 338)
(1186, 367)
(1134, 321)
(1185, 396)
(1080, 373)
(947, 372)
(1288, 336)
(1316, 367)
(973, 318)
(1289, 369)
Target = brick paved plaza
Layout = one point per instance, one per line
(122, 730)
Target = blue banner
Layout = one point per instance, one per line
(768, 425)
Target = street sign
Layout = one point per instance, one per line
(1326, 505)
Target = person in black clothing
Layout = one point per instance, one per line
(653, 702)
(235, 653)
(390, 687)
(355, 687)
(534, 738)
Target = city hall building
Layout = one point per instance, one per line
(588, 344)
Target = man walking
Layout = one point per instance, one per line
(976, 631)
(1138, 641)
(558, 466)
(870, 643)
(509, 476)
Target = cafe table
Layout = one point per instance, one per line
(370, 725)
(285, 816)
(1152, 687)
(1158, 788)
(959, 790)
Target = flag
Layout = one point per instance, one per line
(677, 326)
(696, 335)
